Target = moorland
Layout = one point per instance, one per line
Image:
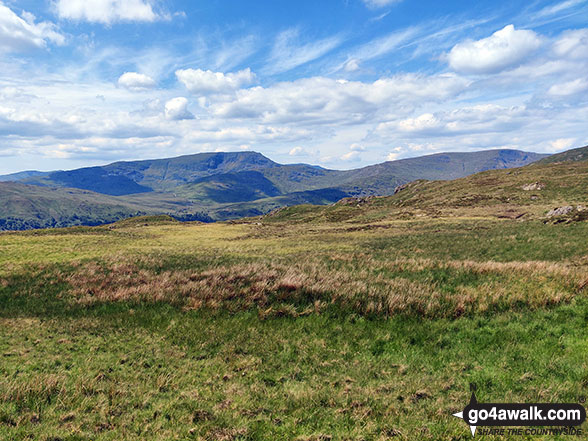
(366, 319)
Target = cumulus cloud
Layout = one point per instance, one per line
(394, 154)
(379, 3)
(135, 81)
(22, 33)
(325, 100)
(504, 49)
(204, 82)
(106, 11)
(297, 151)
(351, 156)
(562, 144)
(422, 123)
(481, 118)
(176, 109)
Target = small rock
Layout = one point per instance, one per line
(560, 211)
(533, 186)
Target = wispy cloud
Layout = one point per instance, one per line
(559, 7)
(384, 45)
(287, 53)
(233, 53)
(374, 4)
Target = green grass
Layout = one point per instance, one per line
(157, 330)
(154, 372)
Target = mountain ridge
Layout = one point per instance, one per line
(223, 186)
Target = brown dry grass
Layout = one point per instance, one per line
(363, 285)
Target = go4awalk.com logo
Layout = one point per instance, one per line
(522, 419)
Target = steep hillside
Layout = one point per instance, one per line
(121, 178)
(24, 207)
(522, 193)
(27, 206)
(382, 179)
(241, 186)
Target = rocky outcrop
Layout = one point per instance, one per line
(359, 201)
(567, 214)
(533, 186)
(560, 211)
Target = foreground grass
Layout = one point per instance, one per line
(314, 332)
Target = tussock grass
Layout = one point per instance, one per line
(309, 331)
(363, 285)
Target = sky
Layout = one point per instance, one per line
(336, 83)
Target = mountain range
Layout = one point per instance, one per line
(216, 186)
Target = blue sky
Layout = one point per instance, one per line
(339, 83)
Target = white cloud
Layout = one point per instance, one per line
(233, 53)
(380, 3)
(351, 65)
(424, 122)
(558, 7)
(353, 155)
(22, 33)
(297, 151)
(569, 87)
(205, 82)
(485, 118)
(384, 45)
(177, 109)
(322, 100)
(135, 81)
(394, 154)
(562, 144)
(106, 11)
(56, 112)
(504, 49)
(288, 54)
(572, 45)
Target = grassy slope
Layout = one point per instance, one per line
(578, 154)
(154, 330)
(493, 193)
(49, 207)
(30, 206)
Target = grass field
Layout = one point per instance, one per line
(273, 330)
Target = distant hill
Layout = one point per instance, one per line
(529, 192)
(579, 154)
(24, 207)
(15, 177)
(217, 186)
